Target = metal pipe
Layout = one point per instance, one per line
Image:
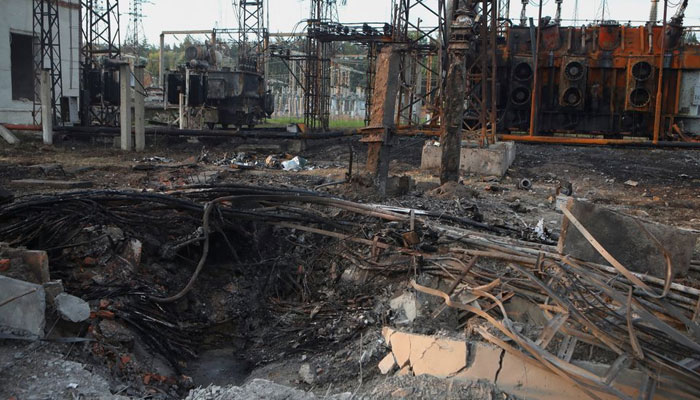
(659, 88)
(593, 141)
(535, 81)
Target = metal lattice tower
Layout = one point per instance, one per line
(503, 14)
(99, 30)
(575, 16)
(135, 30)
(317, 76)
(99, 35)
(422, 55)
(47, 55)
(252, 33)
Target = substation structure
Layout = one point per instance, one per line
(603, 83)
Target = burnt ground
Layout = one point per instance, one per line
(256, 329)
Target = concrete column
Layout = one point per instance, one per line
(183, 122)
(125, 106)
(139, 109)
(161, 60)
(46, 106)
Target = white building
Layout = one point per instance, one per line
(17, 63)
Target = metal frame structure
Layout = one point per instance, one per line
(47, 55)
(424, 52)
(480, 112)
(99, 34)
(252, 33)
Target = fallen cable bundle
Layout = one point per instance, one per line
(635, 319)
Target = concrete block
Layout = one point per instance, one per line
(72, 308)
(623, 236)
(490, 161)
(9, 137)
(24, 307)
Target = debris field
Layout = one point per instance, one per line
(227, 275)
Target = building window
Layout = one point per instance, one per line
(22, 66)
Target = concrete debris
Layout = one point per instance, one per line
(72, 308)
(387, 364)
(636, 244)
(9, 137)
(22, 307)
(307, 374)
(258, 389)
(407, 306)
(482, 362)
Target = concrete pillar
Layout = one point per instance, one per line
(139, 109)
(183, 122)
(161, 60)
(125, 106)
(46, 106)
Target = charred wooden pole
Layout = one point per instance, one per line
(386, 88)
(460, 49)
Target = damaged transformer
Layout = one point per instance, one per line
(602, 79)
(226, 97)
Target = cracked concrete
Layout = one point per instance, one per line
(478, 361)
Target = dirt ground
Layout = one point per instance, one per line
(338, 350)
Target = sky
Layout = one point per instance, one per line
(284, 15)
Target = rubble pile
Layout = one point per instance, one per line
(285, 273)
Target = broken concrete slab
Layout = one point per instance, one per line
(624, 237)
(72, 308)
(387, 364)
(427, 354)
(479, 362)
(9, 137)
(490, 161)
(22, 307)
(53, 184)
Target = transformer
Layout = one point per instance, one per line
(226, 97)
(600, 80)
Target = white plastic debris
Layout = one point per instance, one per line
(539, 229)
(295, 164)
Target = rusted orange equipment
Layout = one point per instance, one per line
(600, 84)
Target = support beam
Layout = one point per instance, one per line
(139, 109)
(46, 105)
(451, 135)
(386, 88)
(125, 107)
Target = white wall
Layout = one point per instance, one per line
(16, 17)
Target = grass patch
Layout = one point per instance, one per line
(333, 124)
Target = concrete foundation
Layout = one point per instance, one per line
(494, 160)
